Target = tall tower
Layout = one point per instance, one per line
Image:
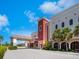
(42, 31)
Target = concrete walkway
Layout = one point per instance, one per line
(39, 54)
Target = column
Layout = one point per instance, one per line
(59, 45)
(14, 42)
(69, 46)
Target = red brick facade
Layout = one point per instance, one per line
(42, 31)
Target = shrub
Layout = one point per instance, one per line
(60, 49)
(12, 47)
(2, 51)
(48, 45)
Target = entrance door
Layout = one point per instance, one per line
(56, 45)
(64, 47)
(75, 46)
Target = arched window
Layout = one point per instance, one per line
(78, 19)
(71, 22)
(56, 26)
(40, 28)
(62, 24)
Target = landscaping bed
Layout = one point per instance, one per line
(12, 47)
(2, 51)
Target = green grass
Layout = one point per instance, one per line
(2, 51)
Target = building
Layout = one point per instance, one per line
(34, 41)
(68, 18)
(20, 40)
(42, 32)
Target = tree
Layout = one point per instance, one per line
(76, 31)
(61, 35)
(1, 39)
(66, 35)
(70, 35)
(57, 35)
(6, 44)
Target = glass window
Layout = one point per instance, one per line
(78, 19)
(56, 26)
(71, 22)
(62, 24)
(40, 28)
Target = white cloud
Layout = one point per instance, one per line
(56, 7)
(31, 15)
(3, 21)
(67, 3)
(50, 7)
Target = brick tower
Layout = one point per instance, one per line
(42, 31)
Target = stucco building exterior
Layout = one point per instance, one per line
(68, 19)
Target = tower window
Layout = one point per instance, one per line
(40, 28)
(56, 26)
(71, 22)
(78, 19)
(62, 24)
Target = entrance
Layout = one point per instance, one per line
(64, 46)
(75, 46)
(56, 45)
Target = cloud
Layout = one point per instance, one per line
(50, 7)
(3, 21)
(56, 7)
(31, 16)
(67, 3)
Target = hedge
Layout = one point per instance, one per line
(2, 51)
(12, 47)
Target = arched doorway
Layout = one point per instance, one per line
(56, 45)
(64, 46)
(75, 46)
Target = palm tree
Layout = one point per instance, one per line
(76, 31)
(57, 36)
(1, 39)
(66, 34)
(70, 35)
(61, 35)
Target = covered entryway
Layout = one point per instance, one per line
(20, 41)
(56, 45)
(75, 46)
(64, 46)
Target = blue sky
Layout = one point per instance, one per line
(21, 16)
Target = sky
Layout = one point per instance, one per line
(20, 17)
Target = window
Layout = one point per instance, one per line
(62, 24)
(78, 19)
(56, 26)
(71, 22)
(40, 28)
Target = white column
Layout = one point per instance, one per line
(26, 43)
(14, 42)
(69, 46)
(59, 45)
(52, 45)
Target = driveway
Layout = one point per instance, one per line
(39, 54)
